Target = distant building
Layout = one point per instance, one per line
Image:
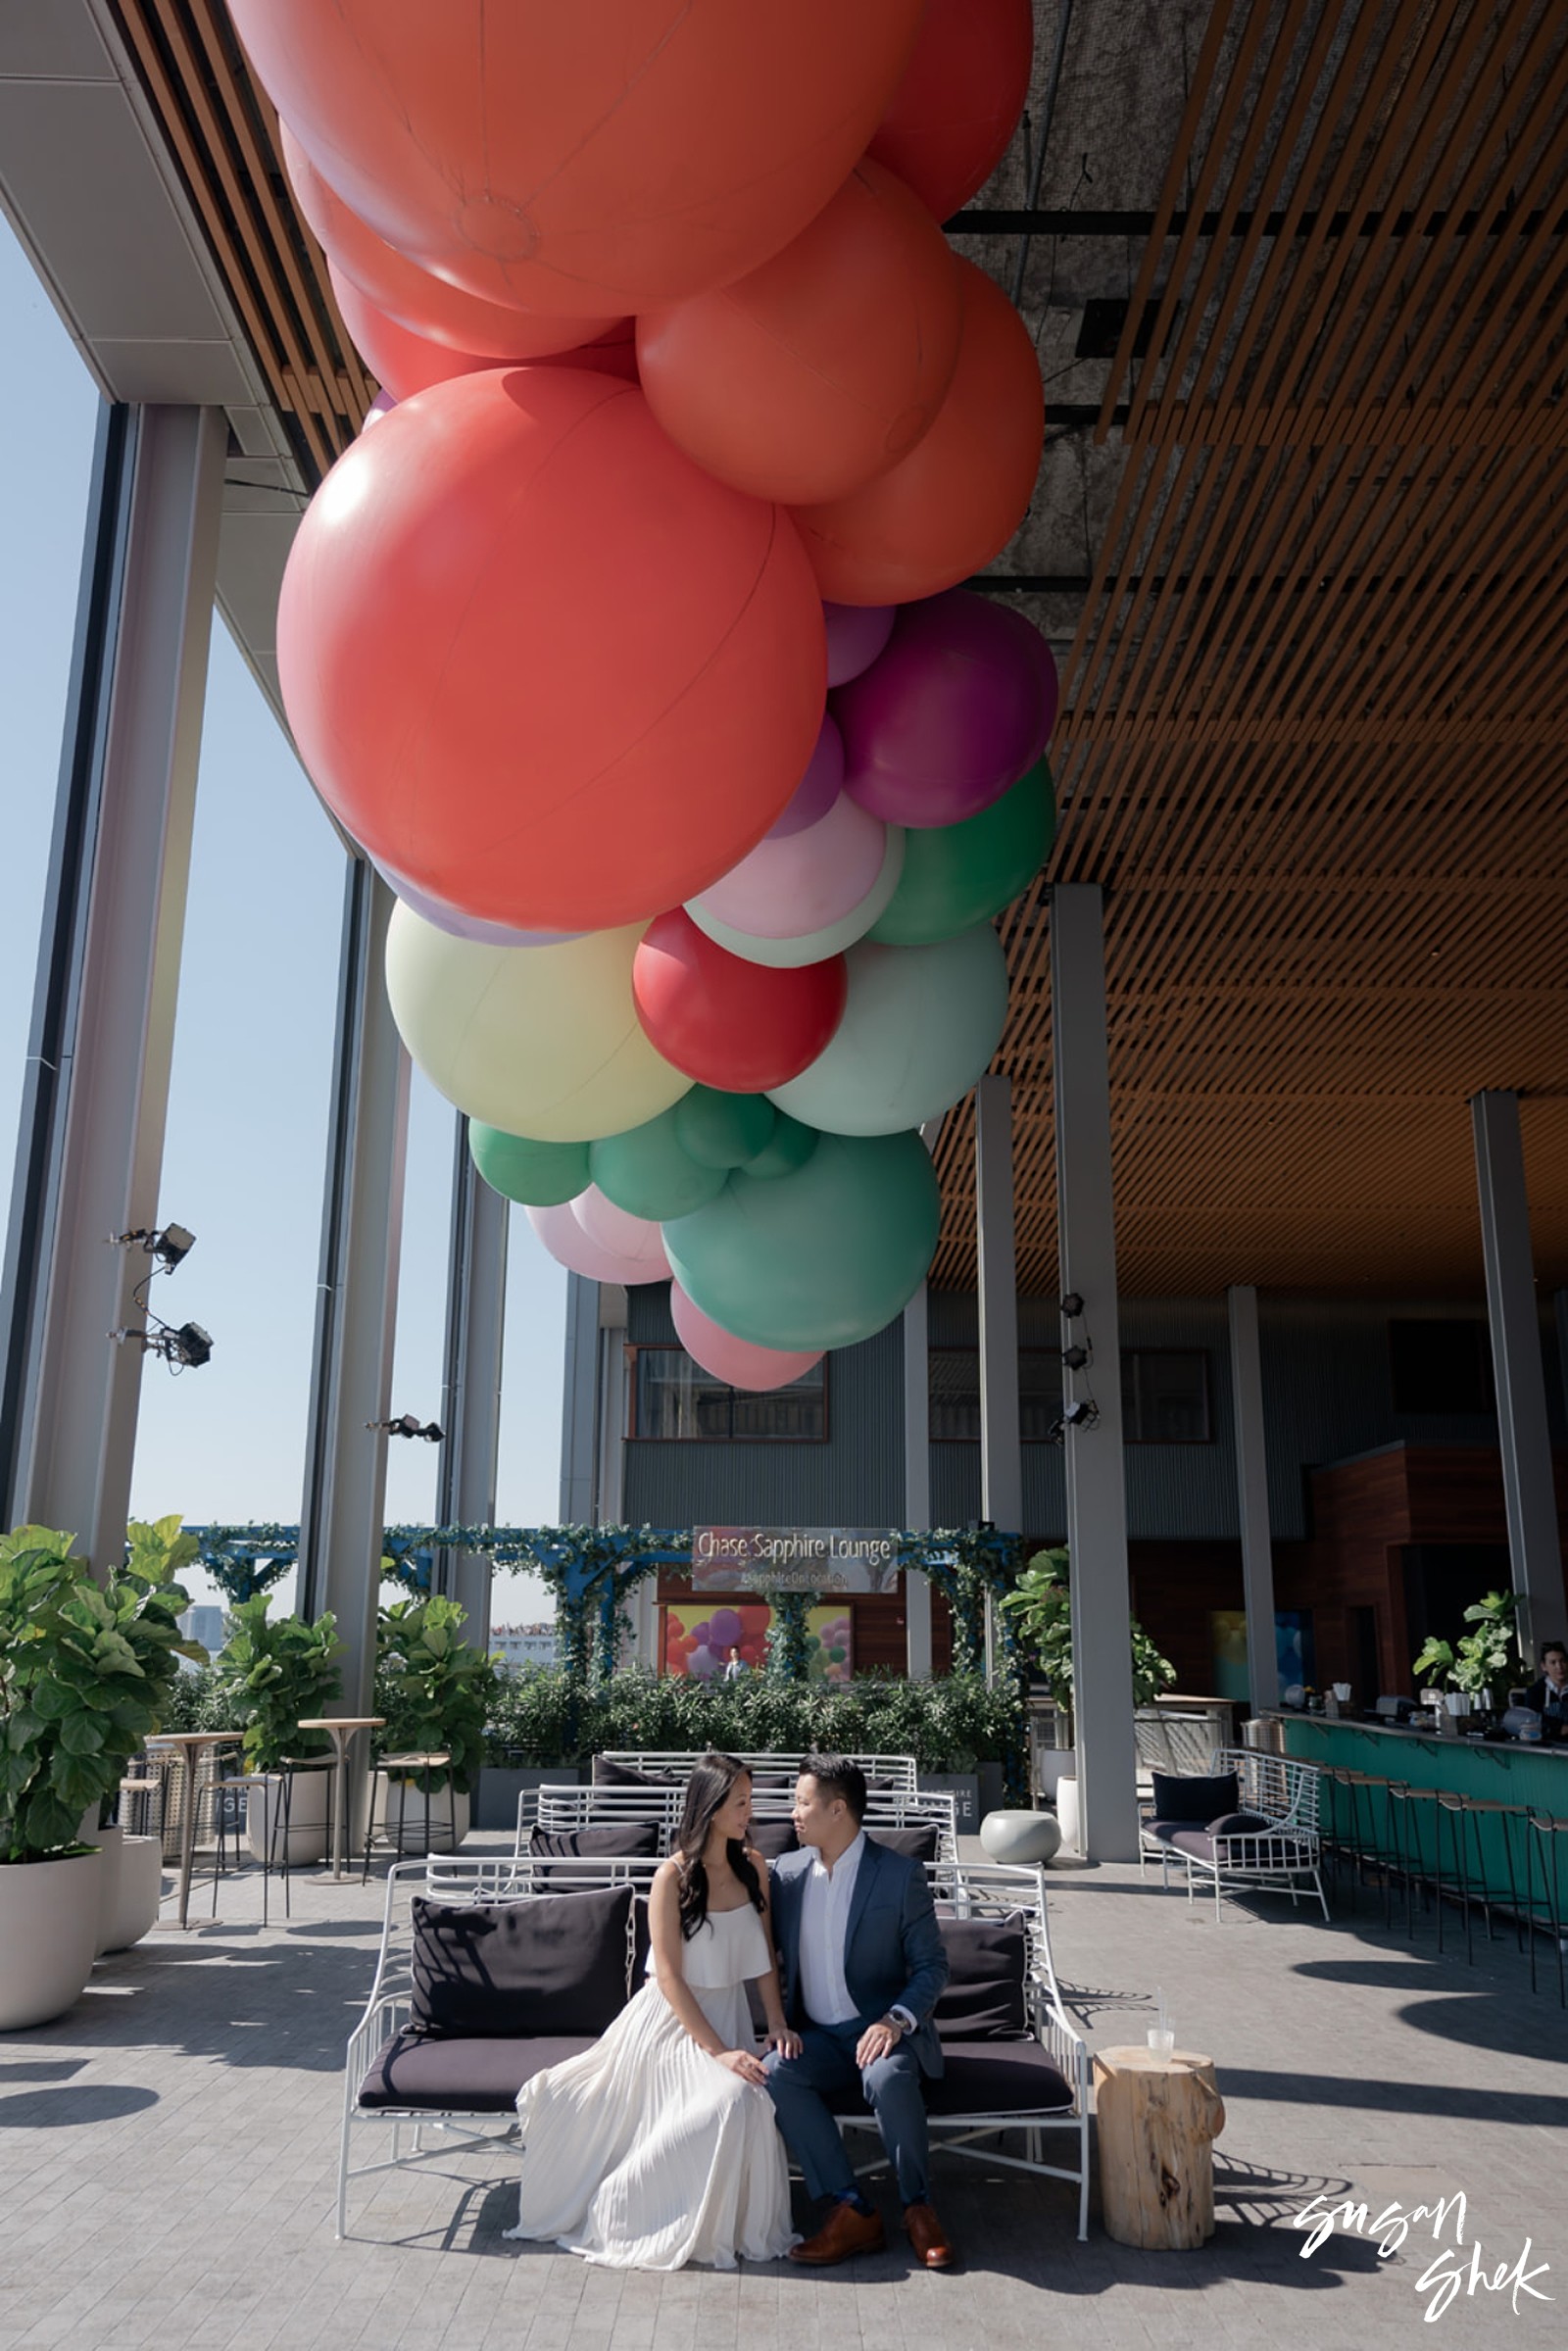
(205, 1625)
(524, 1645)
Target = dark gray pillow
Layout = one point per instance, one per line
(984, 1998)
(623, 1774)
(618, 1841)
(1196, 1801)
(1241, 1824)
(772, 1838)
(918, 1842)
(542, 1964)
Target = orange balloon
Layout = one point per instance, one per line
(957, 498)
(410, 297)
(582, 158)
(825, 366)
(539, 662)
(951, 117)
(407, 363)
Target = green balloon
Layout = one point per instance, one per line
(790, 1145)
(539, 1175)
(647, 1173)
(819, 1259)
(956, 875)
(723, 1130)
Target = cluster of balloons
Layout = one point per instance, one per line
(628, 643)
(699, 1646)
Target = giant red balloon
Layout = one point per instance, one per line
(409, 296)
(824, 367)
(582, 158)
(407, 363)
(541, 664)
(957, 498)
(949, 121)
(725, 1022)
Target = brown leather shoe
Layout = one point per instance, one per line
(927, 2238)
(843, 2233)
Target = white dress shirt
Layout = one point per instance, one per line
(824, 1932)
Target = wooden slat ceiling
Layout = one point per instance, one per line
(1313, 735)
(1313, 741)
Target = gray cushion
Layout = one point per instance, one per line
(1177, 1799)
(541, 1964)
(437, 2071)
(984, 1997)
(619, 1841)
(919, 1841)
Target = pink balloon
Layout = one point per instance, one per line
(459, 925)
(817, 789)
(855, 635)
(614, 1229)
(960, 705)
(570, 1246)
(803, 882)
(725, 1358)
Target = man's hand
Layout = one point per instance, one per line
(877, 2041)
(786, 2043)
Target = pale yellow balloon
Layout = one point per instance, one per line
(538, 1040)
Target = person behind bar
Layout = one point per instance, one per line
(1550, 1696)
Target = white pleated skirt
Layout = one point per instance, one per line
(645, 2153)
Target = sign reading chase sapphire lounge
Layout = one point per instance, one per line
(794, 1559)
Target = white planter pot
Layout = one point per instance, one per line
(48, 1936)
(1052, 1766)
(1067, 1812)
(401, 1818)
(309, 1813)
(132, 1889)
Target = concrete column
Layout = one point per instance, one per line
(470, 1393)
(343, 1513)
(1518, 1372)
(579, 1404)
(91, 1147)
(1559, 1309)
(1251, 1495)
(1001, 1443)
(1097, 1494)
(916, 1482)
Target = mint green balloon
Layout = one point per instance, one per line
(789, 1147)
(723, 1130)
(919, 1027)
(539, 1175)
(956, 875)
(647, 1172)
(822, 1257)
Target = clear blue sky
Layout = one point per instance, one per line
(244, 1159)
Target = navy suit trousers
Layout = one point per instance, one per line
(801, 2086)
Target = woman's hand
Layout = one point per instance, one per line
(786, 2043)
(744, 2062)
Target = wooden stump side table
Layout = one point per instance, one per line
(1157, 2119)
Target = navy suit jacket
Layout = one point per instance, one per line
(893, 1953)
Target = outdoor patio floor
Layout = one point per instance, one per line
(168, 2159)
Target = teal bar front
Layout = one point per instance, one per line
(1490, 1844)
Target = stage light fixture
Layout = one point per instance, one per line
(406, 1425)
(1081, 1415)
(1075, 1357)
(1073, 1305)
(169, 1244)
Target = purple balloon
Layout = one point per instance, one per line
(817, 789)
(459, 925)
(855, 635)
(382, 405)
(951, 715)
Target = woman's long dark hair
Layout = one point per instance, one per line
(714, 1776)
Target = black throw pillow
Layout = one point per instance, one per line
(772, 1838)
(542, 1964)
(619, 1841)
(1196, 1800)
(621, 1775)
(984, 1995)
(918, 1842)
(1241, 1824)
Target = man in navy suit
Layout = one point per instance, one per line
(863, 1966)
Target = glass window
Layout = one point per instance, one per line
(1164, 1397)
(953, 1376)
(673, 1399)
(1440, 1367)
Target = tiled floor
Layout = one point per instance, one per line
(168, 2156)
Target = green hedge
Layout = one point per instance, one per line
(948, 1725)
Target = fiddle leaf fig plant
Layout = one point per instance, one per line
(1041, 1605)
(86, 1670)
(272, 1670)
(1488, 1658)
(435, 1691)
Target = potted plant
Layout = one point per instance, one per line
(1042, 1606)
(434, 1693)
(1486, 1659)
(272, 1670)
(85, 1672)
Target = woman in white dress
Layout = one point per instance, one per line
(657, 2146)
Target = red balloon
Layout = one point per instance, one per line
(541, 664)
(961, 492)
(824, 367)
(737, 1026)
(410, 363)
(582, 158)
(409, 296)
(949, 121)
